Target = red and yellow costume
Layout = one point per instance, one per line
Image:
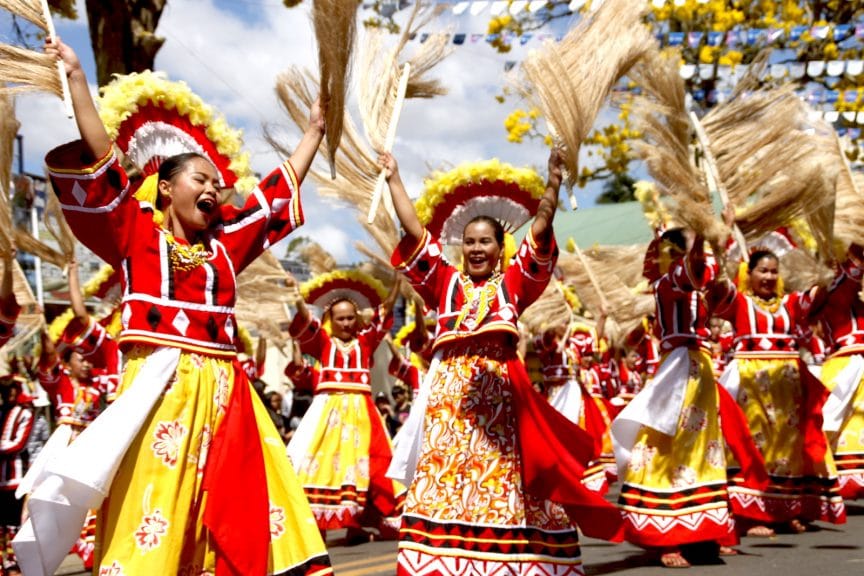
(566, 392)
(16, 424)
(341, 449)
(188, 468)
(782, 402)
(489, 456)
(669, 440)
(842, 320)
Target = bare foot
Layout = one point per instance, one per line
(760, 532)
(674, 559)
(727, 551)
(797, 526)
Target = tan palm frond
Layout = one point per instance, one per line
(262, 299)
(319, 260)
(569, 81)
(23, 70)
(848, 215)
(8, 129)
(661, 115)
(335, 23)
(56, 224)
(769, 160)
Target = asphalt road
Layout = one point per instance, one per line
(823, 550)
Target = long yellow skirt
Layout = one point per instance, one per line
(342, 452)
(674, 488)
(152, 518)
(848, 442)
(772, 397)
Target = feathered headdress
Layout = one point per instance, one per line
(360, 288)
(489, 188)
(151, 118)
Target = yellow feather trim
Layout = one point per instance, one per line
(440, 184)
(402, 334)
(322, 280)
(59, 324)
(125, 94)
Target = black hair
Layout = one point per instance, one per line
(497, 228)
(171, 167)
(758, 255)
(66, 354)
(676, 237)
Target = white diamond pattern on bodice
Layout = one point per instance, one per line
(181, 322)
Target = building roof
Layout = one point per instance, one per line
(616, 224)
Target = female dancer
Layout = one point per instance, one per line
(191, 474)
(341, 449)
(781, 400)
(840, 311)
(669, 443)
(488, 458)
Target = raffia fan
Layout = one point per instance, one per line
(623, 304)
(356, 166)
(800, 271)
(549, 310)
(383, 270)
(29, 321)
(626, 261)
(262, 300)
(335, 23)
(380, 68)
(8, 129)
(661, 116)
(848, 215)
(59, 230)
(23, 70)
(319, 260)
(770, 163)
(570, 80)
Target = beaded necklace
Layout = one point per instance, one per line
(476, 300)
(185, 257)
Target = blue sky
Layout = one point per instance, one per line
(230, 52)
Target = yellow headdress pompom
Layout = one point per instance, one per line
(244, 339)
(508, 251)
(148, 193)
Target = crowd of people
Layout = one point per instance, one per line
(733, 410)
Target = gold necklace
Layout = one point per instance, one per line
(183, 256)
(476, 300)
(771, 305)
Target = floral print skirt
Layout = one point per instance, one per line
(848, 442)
(771, 395)
(153, 516)
(466, 511)
(674, 487)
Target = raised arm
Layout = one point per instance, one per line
(541, 228)
(75, 295)
(390, 301)
(303, 155)
(401, 203)
(7, 291)
(302, 312)
(89, 124)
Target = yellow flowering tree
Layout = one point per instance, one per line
(714, 33)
